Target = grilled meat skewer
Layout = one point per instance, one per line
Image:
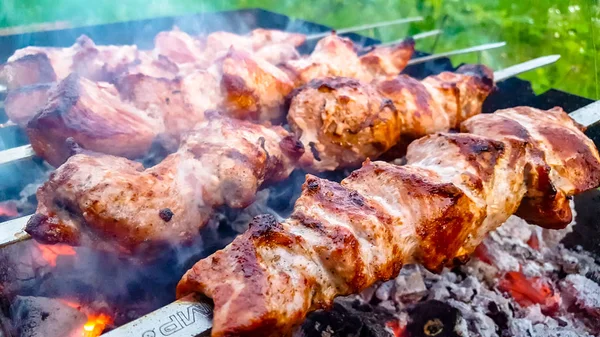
(98, 116)
(239, 84)
(113, 203)
(173, 49)
(345, 121)
(65, 188)
(341, 238)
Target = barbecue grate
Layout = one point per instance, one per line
(14, 177)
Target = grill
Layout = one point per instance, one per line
(366, 313)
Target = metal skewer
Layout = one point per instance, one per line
(364, 27)
(16, 154)
(14, 233)
(482, 47)
(414, 37)
(195, 315)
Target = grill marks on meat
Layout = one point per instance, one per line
(346, 120)
(107, 202)
(95, 117)
(439, 102)
(344, 237)
(562, 163)
(349, 121)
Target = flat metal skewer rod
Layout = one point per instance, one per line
(13, 231)
(364, 27)
(16, 154)
(16, 233)
(8, 124)
(186, 317)
(200, 325)
(414, 37)
(26, 151)
(517, 69)
(482, 47)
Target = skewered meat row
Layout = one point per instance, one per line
(113, 203)
(33, 65)
(66, 188)
(125, 119)
(240, 84)
(341, 238)
(376, 62)
(173, 49)
(344, 121)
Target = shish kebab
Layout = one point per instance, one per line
(341, 238)
(174, 51)
(224, 162)
(103, 63)
(175, 103)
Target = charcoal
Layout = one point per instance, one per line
(41, 317)
(348, 318)
(433, 318)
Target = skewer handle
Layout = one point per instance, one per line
(16, 153)
(186, 317)
(13, 231)
(588, 115)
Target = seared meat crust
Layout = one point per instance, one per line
(113, 203)
(93, 115)
(344, 121)
(341, 238)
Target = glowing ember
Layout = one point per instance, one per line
(482, 253)
(534, 241)
(528, 291)
(50, 253)
(8, 208)
(95, 325)
(397, 329)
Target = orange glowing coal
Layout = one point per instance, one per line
(96, 325)
(530, 290)
(50, 253)
(397, 329)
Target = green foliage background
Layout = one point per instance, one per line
(531, 28)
